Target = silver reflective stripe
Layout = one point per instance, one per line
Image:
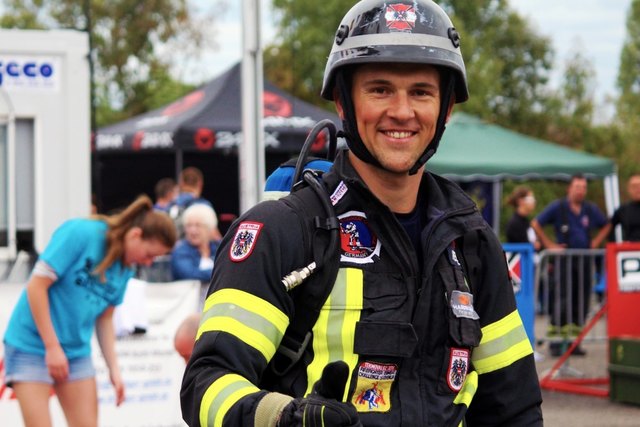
(501, 344)
(220, 396)
(407, 39)
(252, 320)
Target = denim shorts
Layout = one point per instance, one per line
(28, 367)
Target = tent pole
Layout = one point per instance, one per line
(179, 163)
(251, 153)
(497, 202)
(612, 199)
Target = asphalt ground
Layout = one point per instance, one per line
(565, 409)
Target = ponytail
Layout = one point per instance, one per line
(140, 213)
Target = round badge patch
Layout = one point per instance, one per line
(358, 243)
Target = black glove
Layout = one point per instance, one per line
(324, 406)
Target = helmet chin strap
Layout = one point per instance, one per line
(349, 123)
(352, 136)
(445, 100)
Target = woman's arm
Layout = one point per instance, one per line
(185, 263)
(107, 341)
(38, 296)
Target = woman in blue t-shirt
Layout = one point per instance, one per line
(74, 287)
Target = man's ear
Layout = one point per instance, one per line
(338, 102)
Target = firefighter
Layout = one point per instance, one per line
(420, 326)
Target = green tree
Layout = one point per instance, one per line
(507, 63)
(628, 82)
(571, 108)
(131, 75)
(628, 102)
(305, 30)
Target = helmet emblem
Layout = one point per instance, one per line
(400, 17)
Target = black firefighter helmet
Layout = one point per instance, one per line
(376, 31)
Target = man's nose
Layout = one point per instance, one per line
(401, 107)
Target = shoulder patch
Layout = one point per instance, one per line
(244, 240)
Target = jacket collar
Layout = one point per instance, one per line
(438, 193)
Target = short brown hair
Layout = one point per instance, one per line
(191, 177)
(164, 187)
(518, 193)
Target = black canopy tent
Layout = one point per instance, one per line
(202, 129)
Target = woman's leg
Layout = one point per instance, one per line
(34, 403)
(79, 401)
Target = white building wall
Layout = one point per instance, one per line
(59, 105)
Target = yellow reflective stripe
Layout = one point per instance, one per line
(221, 395)
(249, 302)
(468, 390)
(503, 342)
(355, 298)
(333, 333)
(253, 320)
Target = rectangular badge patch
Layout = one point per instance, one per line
(462, 305)
(373, 390)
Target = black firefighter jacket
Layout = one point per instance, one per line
(428, 342)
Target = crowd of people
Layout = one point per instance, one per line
(576, 224)
(78, 281)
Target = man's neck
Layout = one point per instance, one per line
(398, 192)
(576, 206)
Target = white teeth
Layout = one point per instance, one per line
(398, 134)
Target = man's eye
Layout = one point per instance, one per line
(378, 90)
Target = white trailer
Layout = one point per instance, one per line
(45, 151)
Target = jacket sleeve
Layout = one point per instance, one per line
(508, 391)
(244, 318)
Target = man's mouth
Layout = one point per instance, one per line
(398, 134)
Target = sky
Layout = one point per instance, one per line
(595, 27)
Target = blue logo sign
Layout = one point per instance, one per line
(25, 71)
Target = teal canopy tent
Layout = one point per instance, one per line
(474, 150)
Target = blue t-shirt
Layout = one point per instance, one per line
(578, 236)
(78, 297)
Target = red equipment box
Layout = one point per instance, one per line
(623, 290)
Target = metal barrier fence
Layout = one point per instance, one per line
(158, 272)
(570, 286)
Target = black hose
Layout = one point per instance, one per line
(306, 148)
